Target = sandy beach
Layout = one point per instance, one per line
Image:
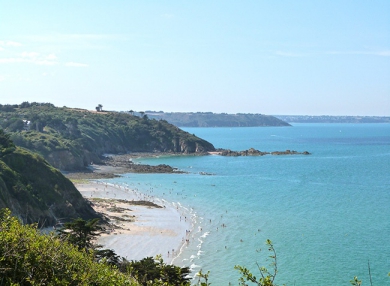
(139, 225)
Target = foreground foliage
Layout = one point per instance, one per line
(153, 271)
(148, 271)
(81, 233)
(29, 258)
(267, 277)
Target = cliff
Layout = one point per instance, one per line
(71, 139)
(35, 191)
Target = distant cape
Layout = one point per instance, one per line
(333, 119)
(210, 119)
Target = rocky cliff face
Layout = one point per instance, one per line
(188, 147)
(66, 160)
(36, 192)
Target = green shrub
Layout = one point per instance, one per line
(29, 258)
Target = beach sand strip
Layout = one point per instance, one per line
(138, 228)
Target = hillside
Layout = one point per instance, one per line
(35, 191)
(209, 119)
(71, 139)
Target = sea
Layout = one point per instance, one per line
(327, 213)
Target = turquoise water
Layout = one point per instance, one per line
(327, 214)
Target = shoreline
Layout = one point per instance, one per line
(115, 164)
(138, 229)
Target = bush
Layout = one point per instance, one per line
(30, 258)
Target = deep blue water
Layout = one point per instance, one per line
(327, 213)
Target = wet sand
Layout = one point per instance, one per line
(137, 229)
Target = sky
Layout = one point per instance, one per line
(271, 57)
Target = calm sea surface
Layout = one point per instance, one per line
(327, 214)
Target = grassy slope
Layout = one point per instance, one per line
(73, 138)
(37, 192)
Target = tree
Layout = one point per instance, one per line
(31, 258)
(153, 271)
(25, 104)
(109, 256)
(8, 107)
(6, 144)
(99, 108)
(81, 233)
(16, 124)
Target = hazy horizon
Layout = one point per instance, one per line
(206, 111)
(292, 58)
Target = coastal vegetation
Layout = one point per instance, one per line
(35, 191)
(70, 138)
(29, 257)
(210, 119)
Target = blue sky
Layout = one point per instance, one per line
(271, 57)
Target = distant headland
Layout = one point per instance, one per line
(333, 119)
(210, 119)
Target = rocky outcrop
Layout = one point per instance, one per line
(289, 152)
(254, 152)
(123, 161)
(249, 152)
(162, 168)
